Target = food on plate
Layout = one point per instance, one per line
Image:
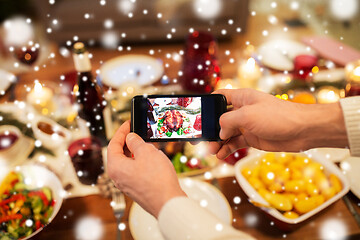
(7, 139)
(185, 101)
(191, 159)
(49, 129)
(294, 184)
(22, 211)
(183, 163)
(173, 120)
(174, 117)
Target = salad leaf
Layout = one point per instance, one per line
(180, 131)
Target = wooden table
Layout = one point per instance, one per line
(247, 217)
(63, 226)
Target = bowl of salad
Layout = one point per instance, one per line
(30, 198)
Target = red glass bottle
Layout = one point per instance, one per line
(89, 95)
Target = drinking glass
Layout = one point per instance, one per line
(86, 156)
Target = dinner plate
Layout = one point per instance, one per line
(144, 226)
(142, 69)
(6, 79)
(351, 166)
(279, 54)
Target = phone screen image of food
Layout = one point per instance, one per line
(178, 117)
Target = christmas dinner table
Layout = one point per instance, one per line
(246, 216)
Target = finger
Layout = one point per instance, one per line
(214, 147)
(117, 161)
(231, 146)
(234, 97)
(231, 123)
(241, 97)
(137, 145)
(194, 143)
(117, 143)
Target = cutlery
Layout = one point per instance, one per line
(118, 204)
(352, 209)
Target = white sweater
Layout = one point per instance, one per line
(181, 218)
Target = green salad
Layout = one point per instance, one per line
(22, 211)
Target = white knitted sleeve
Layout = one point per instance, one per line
(351, 109)
(182, 218)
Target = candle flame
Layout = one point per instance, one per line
(250, 63)
(357, 71)
(37, 87)
(228, 86)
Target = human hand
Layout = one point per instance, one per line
(265, 122)
(149, 178)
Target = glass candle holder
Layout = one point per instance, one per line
(200, 68)
(352, 74)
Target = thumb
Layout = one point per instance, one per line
(135, 143)
(231, 124)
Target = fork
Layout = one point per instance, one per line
(118, 204)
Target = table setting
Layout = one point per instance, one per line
(60, 105)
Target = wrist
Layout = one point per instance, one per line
(166, 198)
(324, 126)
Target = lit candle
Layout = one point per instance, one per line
(352, 73)
(227, 84)
(328, 95)
(41, 98)
(248, 73)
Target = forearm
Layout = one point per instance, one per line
(323, 126)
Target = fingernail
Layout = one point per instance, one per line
(131, 136)
(221, 134)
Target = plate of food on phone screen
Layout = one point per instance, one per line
(178, 117)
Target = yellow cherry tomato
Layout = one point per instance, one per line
(308, 204)
(312, 169)
(328, 193)
(335, 183)
(311, 189)
(291, 215)
(295, 186)
(256, 183)
(246, 172)
(275, 187)
(321, 181)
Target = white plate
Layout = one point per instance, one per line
(329, 167)
(279, 54)
(6, 79)
(351, 166)
(142, 69)
(36, 177)
(144, 226)
(331, 154)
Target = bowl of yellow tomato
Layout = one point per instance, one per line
(290, 187)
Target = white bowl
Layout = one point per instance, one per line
(284, 222)
(54, 141)
(36, 176)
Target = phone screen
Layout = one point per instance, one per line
(177, 118)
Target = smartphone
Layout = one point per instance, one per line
(167, 118)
